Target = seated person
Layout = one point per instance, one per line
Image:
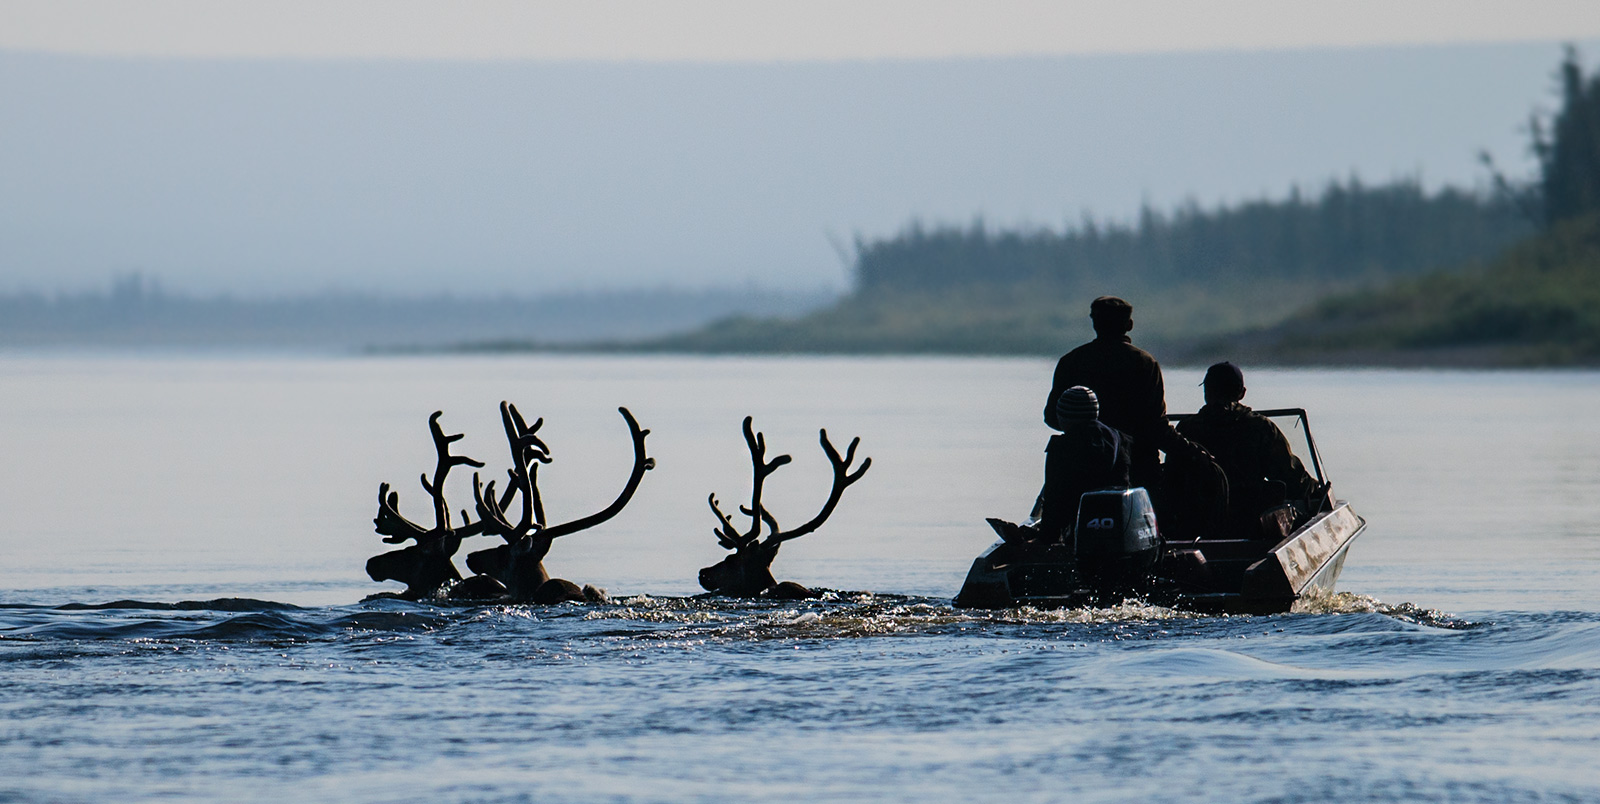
(1262, 470)
(1194, 497)
(1086, 455)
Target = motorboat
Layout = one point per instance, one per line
(1116, 550)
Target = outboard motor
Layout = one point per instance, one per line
(1116, 540)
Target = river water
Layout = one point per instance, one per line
(1461, 661)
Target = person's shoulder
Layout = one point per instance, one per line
(1133, 354)
(1107, 431)
(1080, 350)
(1249, 414)
(1203, 420)
(1259, 423)
(1118, 346)
(1078, 359)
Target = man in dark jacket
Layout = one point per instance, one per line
(1086, 455)
(1262, 470)
(1127, 381)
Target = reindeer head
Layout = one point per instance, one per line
(748, 572)
(422, 567)
(425, 566)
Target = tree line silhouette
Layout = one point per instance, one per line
(1568, 146)
(1349, 231)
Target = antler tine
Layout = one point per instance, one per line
(527, 452)
(766, 516)
(490, 516)
(842, 479)
(435, 487)
(511, 489)
(849, 457)
(521, 437)
(762, 467)
(641, 463)
(390, 523)
(727, 535)
(522, 425)
(534, 499)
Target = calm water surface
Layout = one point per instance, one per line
(1461, 663)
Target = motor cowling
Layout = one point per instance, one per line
(1116, 539)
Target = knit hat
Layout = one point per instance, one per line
(1077, 404)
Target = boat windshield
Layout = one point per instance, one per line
(1296, 428)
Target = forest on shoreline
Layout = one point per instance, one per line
(1193, 274)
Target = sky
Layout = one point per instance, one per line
(763, 30)
(490, 147)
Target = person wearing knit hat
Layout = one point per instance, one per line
(1127, 384)
(1077, 404)
(1262, 470)
(1086, 455)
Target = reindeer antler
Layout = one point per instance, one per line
(395, 527)
(762, 468)
(748, 572)
(435, 488)
(527, 452)
(842, 479)
(390, 523)
(641, 463)
(491, 517)
(727, 535)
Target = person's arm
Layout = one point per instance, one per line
(1161, 433)
(1123, 462)
(1284, 466)
(1056, 387)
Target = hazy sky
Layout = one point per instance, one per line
(484, 147)
(742, 30)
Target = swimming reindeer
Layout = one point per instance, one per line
(514, 571)
(748, 572)
(426, 566)
(519, 563)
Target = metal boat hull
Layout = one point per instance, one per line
(1225, 576)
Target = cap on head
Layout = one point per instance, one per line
(1077, 404)
(1225, 378)
(1110, 309)
(1111, 316)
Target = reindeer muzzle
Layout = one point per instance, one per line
(382, 567)
(710, 579)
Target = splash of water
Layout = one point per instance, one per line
(1354, 603)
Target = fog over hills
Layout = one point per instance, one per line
(409, 179)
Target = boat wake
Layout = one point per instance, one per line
(1353, 603)
(698, 620)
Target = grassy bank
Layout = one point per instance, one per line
(1538, 304)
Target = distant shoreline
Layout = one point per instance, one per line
(1450, 358)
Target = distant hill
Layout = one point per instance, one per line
(1537, 304)
(136, 312)
(1192, 274)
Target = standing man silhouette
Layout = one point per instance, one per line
(1127, 381)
